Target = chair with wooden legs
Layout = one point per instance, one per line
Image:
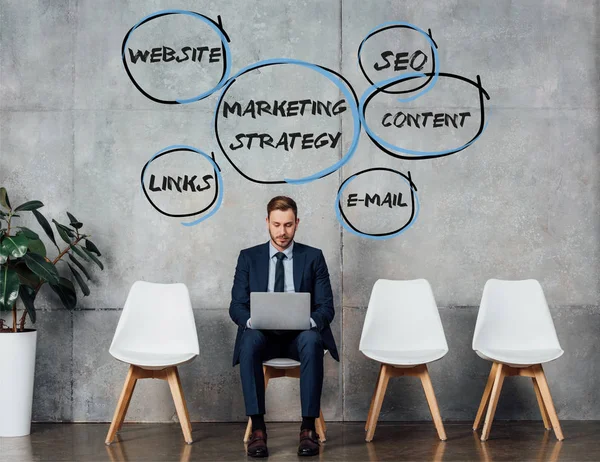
(156, 333)
(403, 332)
(285, 367)
(514, 330)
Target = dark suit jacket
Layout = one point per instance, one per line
(310, 275)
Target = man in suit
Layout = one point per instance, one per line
(277, 266)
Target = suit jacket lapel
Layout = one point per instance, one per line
(298, 259)
(263, 268)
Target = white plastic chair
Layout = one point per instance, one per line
(156, 333)
(286, 367)
(403, 331)
(515, 331)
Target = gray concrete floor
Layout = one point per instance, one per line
(520, 441)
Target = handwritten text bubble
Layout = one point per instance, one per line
(176, 56)
(182, 181)
(434, 126)
(278, 121)
(377, 203)
(399, 49)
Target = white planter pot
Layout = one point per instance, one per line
(17, 368)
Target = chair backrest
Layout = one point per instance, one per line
(514, 315)
(402, 315)
(157, 318)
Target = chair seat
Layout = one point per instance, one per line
(407, 357)
(520, 357)
(285, 363)
(281, 363)
(151, 360)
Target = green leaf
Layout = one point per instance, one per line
(37, 246)
(31, 205)
(9, 288)
(94, 259)
(84, 288)
(63, 231)
(26, 276)
(45, 225)
(41, 267)
(67, 230)
(13, 247)
(79, 252)
(4, 199)
(27, 295)
(74, 223)
(91, 247)
(28, 233)
(66, 291)
(80, 266)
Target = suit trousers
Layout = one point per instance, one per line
(305, 346)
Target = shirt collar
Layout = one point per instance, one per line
(289, 252)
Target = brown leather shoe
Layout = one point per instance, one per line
(309, 443)
(257, 445)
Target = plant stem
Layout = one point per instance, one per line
(62, 254)
(14, 308)
(22, 321)
(54, 262)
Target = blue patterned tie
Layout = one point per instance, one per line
(279, 273)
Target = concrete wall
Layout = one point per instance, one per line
(521, 202)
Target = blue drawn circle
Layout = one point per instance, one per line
(215, 167)
(338, 214)
(418, 154)
(329, 74)
(436, 68)
(224, 42)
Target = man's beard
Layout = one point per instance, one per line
(288, 242)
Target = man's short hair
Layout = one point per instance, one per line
(282, 203)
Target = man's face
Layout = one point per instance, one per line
(282, 228)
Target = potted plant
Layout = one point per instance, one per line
(24, 268)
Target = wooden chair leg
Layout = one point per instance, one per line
(180, 406)
(322, 422)
(248, 430)
(122, 404)
(368, 422)
(432, 401)
(379, 395)
(128, 400)
(541, 404)
(267, 372)
(496, 389)
(547, 398)
(486, 396)
(319, 424)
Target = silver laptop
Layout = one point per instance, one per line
(280, 310)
